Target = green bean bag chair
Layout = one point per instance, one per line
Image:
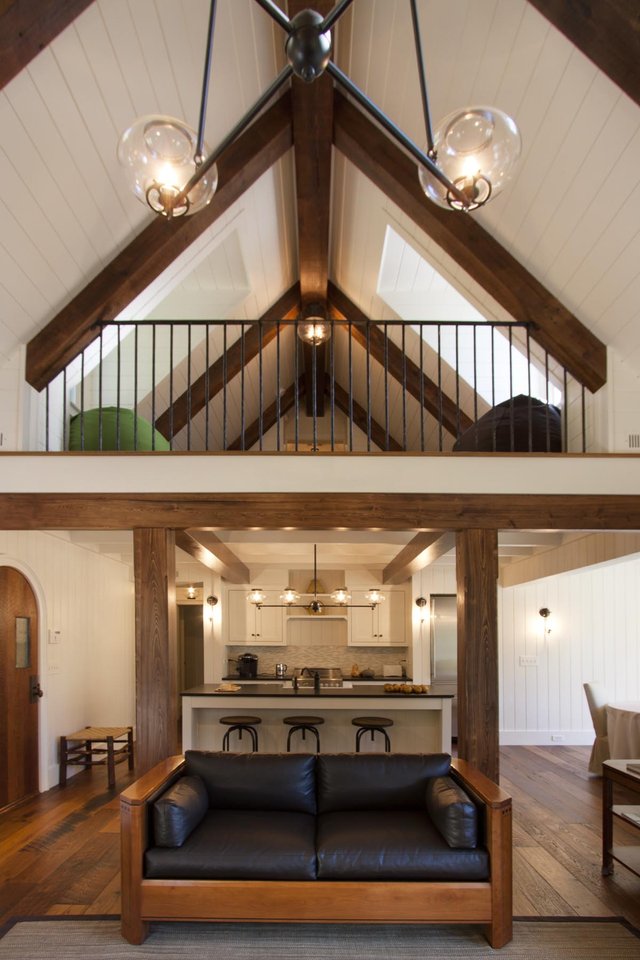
(121, 430)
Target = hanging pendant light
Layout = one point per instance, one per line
(477, 150)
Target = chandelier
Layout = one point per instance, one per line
(340, 596)
(467, 161)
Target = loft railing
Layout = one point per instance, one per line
(392, 385)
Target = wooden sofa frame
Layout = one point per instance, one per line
(486, 903)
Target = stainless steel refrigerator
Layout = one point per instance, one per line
(444, 649)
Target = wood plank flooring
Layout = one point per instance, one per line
(59, 852)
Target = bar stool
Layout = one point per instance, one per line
(375, 725)
(241, 723)
(303, 723)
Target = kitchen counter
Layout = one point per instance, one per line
(421, 722)
(271, 678)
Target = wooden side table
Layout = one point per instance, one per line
(616, 772)
(86, 748)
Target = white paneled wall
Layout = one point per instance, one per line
(88, 677)
(594, 635)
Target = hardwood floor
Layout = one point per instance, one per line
(59, 853)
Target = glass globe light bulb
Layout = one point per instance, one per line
(289, 595)
(158, 156)
(257, 596)
(477, 150)
(374, 597)
(341, 595)
(313, 331)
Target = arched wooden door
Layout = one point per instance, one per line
(19, 688)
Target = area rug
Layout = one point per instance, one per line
(99, 939)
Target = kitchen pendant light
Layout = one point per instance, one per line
(316, 589)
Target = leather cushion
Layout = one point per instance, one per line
(241, 845)
(391, 845)
(453, 812)
(376, 781)
(178, 811)
(254, 781)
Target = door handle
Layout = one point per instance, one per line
(35, 690)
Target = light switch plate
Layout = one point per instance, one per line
(529, 661)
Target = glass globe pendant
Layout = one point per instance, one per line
(159, 158)
(477, 149)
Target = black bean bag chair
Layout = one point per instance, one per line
(521, 424)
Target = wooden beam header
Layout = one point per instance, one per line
(423, 549)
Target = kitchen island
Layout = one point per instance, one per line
(421, 721)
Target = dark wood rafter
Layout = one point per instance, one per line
(28, 26)
(205, 547)
(352, 409)
(270, 417)
(259, 335)
(552, 326)
(312, 119)
(418, 384)
(359, 510)
(606, 31)
(312, 122)
(423, 549)
(155, 248)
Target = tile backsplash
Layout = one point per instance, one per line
(297, 656)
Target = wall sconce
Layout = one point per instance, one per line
(192, 593)
(545, 613)
(421, 602)
(211, 601)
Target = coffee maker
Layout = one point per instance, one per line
(248, 666)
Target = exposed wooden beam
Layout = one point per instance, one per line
(423, 549)
(554, 327)
(229, 365)
(28, 26)
(350, 407)
(270, 417)
(156, 646)
(155, 248)
(606, 31)
(310, 511)
(208, 549)
(477, 608)
(312, 117)
(401, 368)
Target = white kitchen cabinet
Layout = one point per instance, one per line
(255, 626)
(383, 626)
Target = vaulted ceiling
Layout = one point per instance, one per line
(559, 248)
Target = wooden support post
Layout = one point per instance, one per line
(477, 577)
(156, 646)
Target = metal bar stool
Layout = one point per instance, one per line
(303, 723)
(375, 725)
(241, 723)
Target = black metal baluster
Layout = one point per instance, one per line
(260, 388)
(135, 387)
(368, 338)
(548, 422)
(422, 446)
(512, 442)
(584, 424)
(530, 403)
(475, 378)
(278, 386)
(171, 329)
(242, 386)
(332, 385)
(350, 389)
(404, 390)
(493, 384)
(207, 360)
(82, 401)
(314, 385)
(386, 388)
(189, 387)
(46, 419)
(440, 397)
(153, 386)
(458, 429)
(296, 361)
(224, 387)
(565, 443)
(118, 379)
(65, 438)
(100, 437)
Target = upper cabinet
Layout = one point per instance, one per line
(251, 625)
(383, 626)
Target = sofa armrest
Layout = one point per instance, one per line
(178, 811)
(134, 832)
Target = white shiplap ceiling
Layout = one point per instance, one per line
(572, 215)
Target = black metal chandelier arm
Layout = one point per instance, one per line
(422, 76)
(396, 133)
(276, 13)
(199, 154)
(334, 15)
(242, 124)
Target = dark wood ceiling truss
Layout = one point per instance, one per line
(258, 336)
(155, 248)
(552, 326)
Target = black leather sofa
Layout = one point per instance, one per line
(344, 837)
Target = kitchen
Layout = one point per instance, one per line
(368, 645)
